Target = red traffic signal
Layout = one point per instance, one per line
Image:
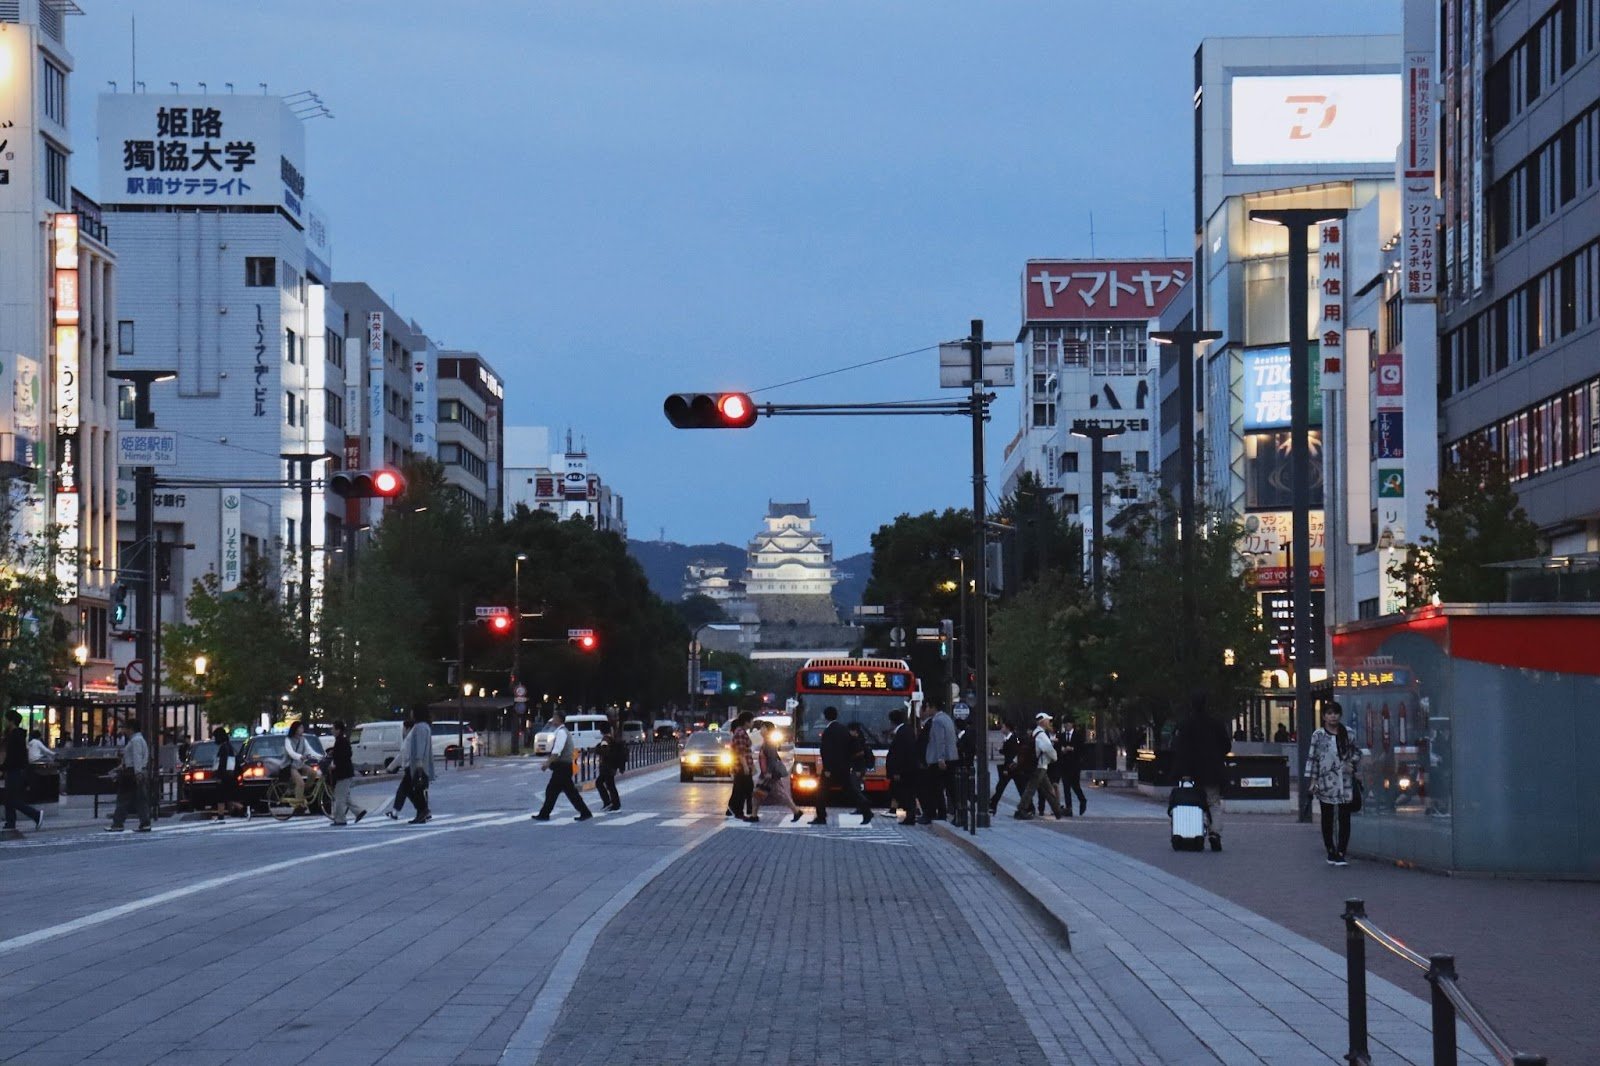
(384, 483)
(710, 410)
(500, 624)
(583, 639)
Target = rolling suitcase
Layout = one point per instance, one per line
(1187, 807)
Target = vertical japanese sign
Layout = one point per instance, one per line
(232, 503)
(259, 367)
(422, 404)
(1479, 28)
(65, 263)
(375, 386)
(1330, 301)
(1417, 199)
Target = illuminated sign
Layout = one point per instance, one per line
(1330, 303)
(1396, 676)
(67, 504)
(1316, 118)
(1071, 290)
(886, 681)
(1266, 388)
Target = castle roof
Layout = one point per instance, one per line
(799, 510)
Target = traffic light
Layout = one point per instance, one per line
(497, 624)
(733, 686)
(385, 483)
(710, 410)
(119, 604)
(583, 639)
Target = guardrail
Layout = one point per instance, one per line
(646, 753)
(1449, 1002)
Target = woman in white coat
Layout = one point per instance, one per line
(1331, 767)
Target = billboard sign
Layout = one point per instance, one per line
(1266, 388)
(1056, 290)
(1315, 119)
(1265, 545)
(232, 503)
(201, 150)
(1390, 442)
(1330, 303)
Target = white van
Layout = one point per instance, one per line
(585, 730)
(633, 731)
(446, 735)
(375, 746)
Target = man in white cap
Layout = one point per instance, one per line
(1044, 753)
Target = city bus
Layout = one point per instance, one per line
(865, 691)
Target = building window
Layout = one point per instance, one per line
(333, 408)
(291, 345)
(54, 91)
(55, 174)
(1367, 609)
(125, 403)
(125, 337)
(260, 271)
(1069, 503)
(1044, 414)
(290, 407)
(1111, 462)
(1141, 462)
(1069, 462)
(335, 349)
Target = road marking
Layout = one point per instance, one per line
(629, 819)
(528, 1040)
(686, 820)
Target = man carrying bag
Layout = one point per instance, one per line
(560, 766)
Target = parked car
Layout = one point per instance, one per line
(375, 746)
(585, 730)
(705, 755)
(449, 734)
(633, 731)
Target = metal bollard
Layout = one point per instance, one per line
(1355, 978)
(1443, 968)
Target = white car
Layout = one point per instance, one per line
(585, 730)
(633, 731)
(449, 734)
(375, 746)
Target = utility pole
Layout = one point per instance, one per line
(978, 813)
(304, 481)
(1097, 435)
(142, 560)
(1298, 221)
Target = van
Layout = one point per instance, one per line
(375, 746)
(449, 734)
(633, 731)
(585, 730)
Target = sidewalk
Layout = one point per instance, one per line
(1245, 987)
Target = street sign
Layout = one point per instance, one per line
(928, 633)
(999, 365)
(520, 693)
(494, 612)
(135, 672)
(897, 636)
(577, 634)
(710, 682)
(147, 447)
(867, 610)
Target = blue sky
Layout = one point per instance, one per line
(613, 201)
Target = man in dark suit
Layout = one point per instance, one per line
(1010, 745)
(837, 748)
(1069, 747)
(902, 766)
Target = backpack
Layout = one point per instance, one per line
(1027, 756)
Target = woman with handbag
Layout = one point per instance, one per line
(1331, 768)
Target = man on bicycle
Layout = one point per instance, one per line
(297, 749)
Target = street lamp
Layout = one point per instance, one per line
(1298, 221)
(80, 654)
(201, 664)
(519, 705)
(1097, 434)
(1185, 340)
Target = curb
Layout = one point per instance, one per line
(1029, 898)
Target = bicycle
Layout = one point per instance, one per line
(281, 802)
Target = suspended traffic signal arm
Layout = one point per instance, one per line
(583, 639)
(735, 410)
(384, 483)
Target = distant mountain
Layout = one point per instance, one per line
(663, 562)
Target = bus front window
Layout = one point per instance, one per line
(871, 711)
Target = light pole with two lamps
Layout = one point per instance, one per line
(1097, 432)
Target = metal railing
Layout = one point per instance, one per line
(645, 753)
(1450, 1004)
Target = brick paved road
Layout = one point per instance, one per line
(1525, 949)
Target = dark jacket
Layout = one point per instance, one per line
(1068, 751)
(903, 758)
(344, 763)
(1201, 747)
(16, 749)
(1009, 748)
(837, 749)
(613, 755)
(861, 757)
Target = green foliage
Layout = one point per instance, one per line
(698, 610)
(1043, 540)
(1474, 519)
(251, 640)
(34, 636)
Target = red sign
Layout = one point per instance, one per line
(1055, 290)
(1280, 577)
(1391, 374)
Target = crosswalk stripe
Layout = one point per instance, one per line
(686, 820)
(629, 819)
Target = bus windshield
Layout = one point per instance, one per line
(872, 711)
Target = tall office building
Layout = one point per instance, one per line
(1519, 174)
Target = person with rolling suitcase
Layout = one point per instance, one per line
(1187, 807)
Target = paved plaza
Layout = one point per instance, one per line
(667, 933)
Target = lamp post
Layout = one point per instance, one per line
(1097, 435)
(80, 655)
(961, 621)
(519, 705)
(1298, 221)
(1185, 340)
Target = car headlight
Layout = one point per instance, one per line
(1405, 783)
(725, 759)
(805, 784)
(777, 736)
(692, 760)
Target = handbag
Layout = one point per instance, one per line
(1355, 795)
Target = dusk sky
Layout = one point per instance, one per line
(615, 201)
